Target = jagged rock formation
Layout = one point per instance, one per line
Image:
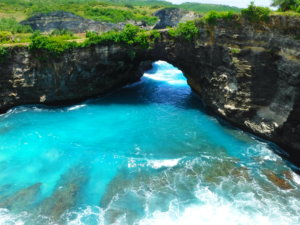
(64, 20)
(170, 17)
(249, 74)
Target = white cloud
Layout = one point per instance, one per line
(238, 3)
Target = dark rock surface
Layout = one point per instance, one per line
(170, 17)
(249, 74)
(64, 20)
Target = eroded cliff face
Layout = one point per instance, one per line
(58, 20)
(248, 74)
(171, 17)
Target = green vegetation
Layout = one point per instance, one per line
(58, 41)
(235, 50)
(62, 32)
(130, 36)
(106, 11)
(102, 10)
(204, 8)
(5, 36)
(256, 13)
(213, 16)
(3, 53)
(53, 44)
(10, 24)
(118, 15)
(187, 31)
(286, 5)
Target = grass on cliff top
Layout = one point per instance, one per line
(104, 10)
(96, 10)
(131, 35)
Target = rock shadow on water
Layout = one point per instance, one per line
(65, 195)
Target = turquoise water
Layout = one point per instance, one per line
(146, 154)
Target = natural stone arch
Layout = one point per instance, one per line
(246, 76)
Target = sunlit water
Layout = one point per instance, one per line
(146, 154)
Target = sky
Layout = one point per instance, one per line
(238, 3)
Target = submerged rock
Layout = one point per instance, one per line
(276, 180)
(65, 195)
(22, 199)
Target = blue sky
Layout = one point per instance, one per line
(238, 3)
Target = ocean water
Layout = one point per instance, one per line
(146, 154)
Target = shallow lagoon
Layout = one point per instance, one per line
(146, 154)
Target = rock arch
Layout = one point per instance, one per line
(248, 75)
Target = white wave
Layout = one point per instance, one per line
(95, 215)
(157, 164)
(76, 107)
(296, 178)
(214, 209)
(8, 218)
(160, 62)
(263, 152)
(169, 74)
(206, 214)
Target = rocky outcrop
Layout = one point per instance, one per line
(249, 74)
(170, 17)
(64, 20)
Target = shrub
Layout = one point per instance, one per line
(5, 36)
(90, 34)
(186, 30)
(109, 15)
(131, 35)
(129, 6)
(54, 45)
(57, 32)
(256, 13)
(285, 5)
(213, 16)
(235, 50)
(3, 53)
(10, 24)
(119, 15)
(36, 34)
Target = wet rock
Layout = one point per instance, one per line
(276, 180)
(288, 175)
(220, 170)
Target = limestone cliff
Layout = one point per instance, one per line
(171, 17)
(249, 74)
(58, 20)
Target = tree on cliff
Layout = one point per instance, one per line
(285, 5)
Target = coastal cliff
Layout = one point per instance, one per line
(249, 74)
